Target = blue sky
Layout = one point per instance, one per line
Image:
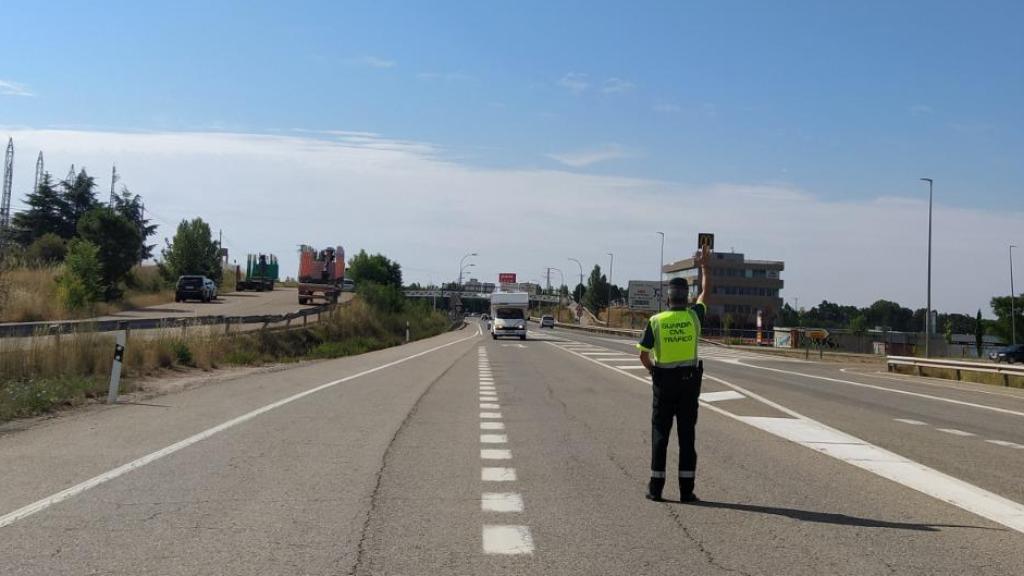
(849, 103)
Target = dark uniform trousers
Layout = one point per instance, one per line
(676, 391)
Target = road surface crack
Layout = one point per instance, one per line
(361, 547)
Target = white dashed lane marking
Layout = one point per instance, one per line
(911, 422)
(954, 432)
(495, 474)
(489, 406)
(720, 396)
(507, 540)
(501, 502)
(1006, 444)
(493, 439)
(491, 415)
(492, 425)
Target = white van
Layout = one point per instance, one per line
(509, 312)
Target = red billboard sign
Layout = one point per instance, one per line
(507, 278)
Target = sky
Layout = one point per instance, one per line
(534, 132)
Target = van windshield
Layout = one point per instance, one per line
(510, 313)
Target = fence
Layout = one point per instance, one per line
(26, 329)
(958, 367)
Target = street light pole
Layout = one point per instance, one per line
(661, 272)
(461, 268)
(611, 265)
(579, 302)
(1013, 313)
(581, 274)
(928, 311)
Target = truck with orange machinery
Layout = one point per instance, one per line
(321, 273)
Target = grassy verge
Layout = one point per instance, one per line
(30, 295)
(49, 373)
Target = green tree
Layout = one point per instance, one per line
(979, 333)
(79, 284)
(78, 196)
(578, 292)
(47, 249)
(859, 324)
(118, 241)
(44, 215)
(596, 294)
(376, 269)
(131, 207)
(1001, 325)
(192, 251)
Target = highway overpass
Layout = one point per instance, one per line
(463, 455)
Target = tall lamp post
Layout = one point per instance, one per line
(661, 272)
(1013, 314)
(611, 265)
(580, 301)
(461, 268)
(928, 311)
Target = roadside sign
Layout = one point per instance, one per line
(706, 239)
(817, 334)
(507, 278)
(644, 294)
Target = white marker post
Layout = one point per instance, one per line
(115, 369)
(407, 331)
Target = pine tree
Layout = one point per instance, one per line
(131, 207)
(45, 214)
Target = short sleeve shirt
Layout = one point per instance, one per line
(647, 342)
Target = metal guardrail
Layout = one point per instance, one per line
(957, 366)
(25, 329)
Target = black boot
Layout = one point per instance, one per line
(654, 488)
(686, 490)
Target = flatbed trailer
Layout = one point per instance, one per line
(261, 273)
(321, 274)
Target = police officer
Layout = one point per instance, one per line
(669, 352)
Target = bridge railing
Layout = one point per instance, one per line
(958, 367)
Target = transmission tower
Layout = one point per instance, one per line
(39, 172)
(5, 200)
(71, 175)
(113, 181)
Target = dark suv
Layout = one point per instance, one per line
(193, 288)
(1009, 354)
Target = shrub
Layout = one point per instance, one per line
(182, 354)
(47, 249)
(79, 282)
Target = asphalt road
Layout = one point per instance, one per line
(463, 455)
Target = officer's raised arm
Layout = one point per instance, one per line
(702, 258)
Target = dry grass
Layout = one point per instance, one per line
(31, 295)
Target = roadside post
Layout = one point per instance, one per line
(115, 369)
(407, 331)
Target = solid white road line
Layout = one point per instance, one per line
(490, 415)
(507, 540)
(631, 367)
(495, 454)
(882, 388)
(495, 474)
(501, 502)
(954, 432)
(856, 452)
(492, 425)
(494, 439)
(911, 422)
(720, 396)
(39, 505)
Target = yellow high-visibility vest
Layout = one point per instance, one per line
(675, 338)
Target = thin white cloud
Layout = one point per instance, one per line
(616, 85)
(8, 88)
(418, 206)
(582, 158)
(575, 82)
(374, 62)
